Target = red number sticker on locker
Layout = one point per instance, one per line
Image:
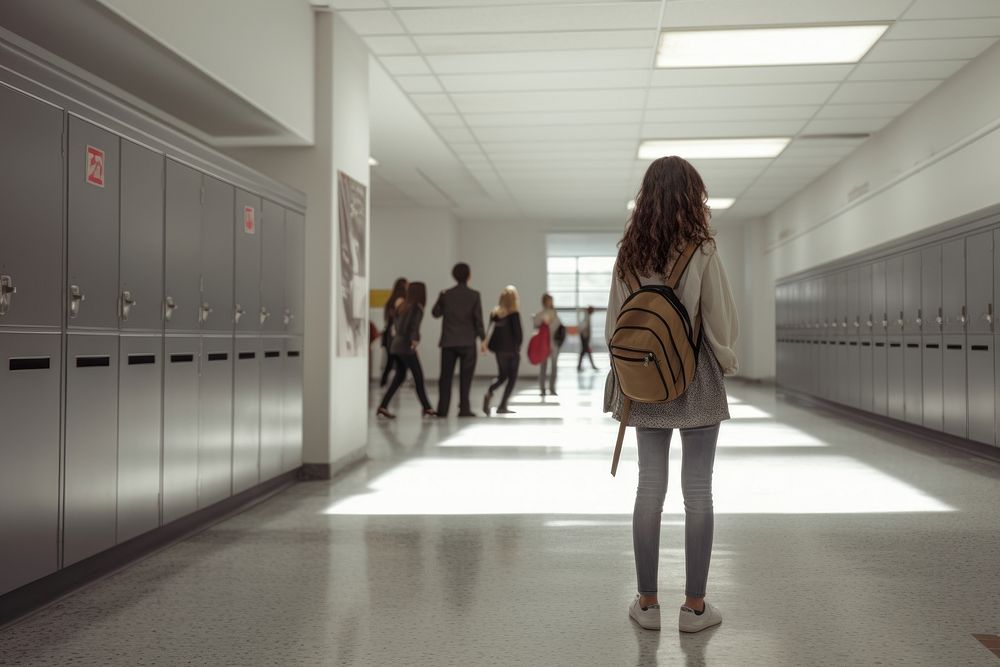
(248, 224)
(95, 166)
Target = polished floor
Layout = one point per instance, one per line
(507, 542)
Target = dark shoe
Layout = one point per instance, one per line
(486, 402)
(466, 414)
(382, 412)
(430, 413)
(553, 392)
(505, 411)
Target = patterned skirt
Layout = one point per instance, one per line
(704, 402)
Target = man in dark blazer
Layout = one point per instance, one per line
(463, 324)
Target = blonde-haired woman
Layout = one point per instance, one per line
(505, 342)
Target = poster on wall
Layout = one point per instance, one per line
(352, 324)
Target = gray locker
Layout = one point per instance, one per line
(247, 307)
(912, 306)
(31, 212)
(91, 468)
(140, 297)
(180, 426)
(828, 372)
(931, 311)
(953, 306)
(852, 331)
(183, 241)
(93, 229)
(216, 312)
(930, 317)
(215, 420)
(291, 423)
(894, 342)
(913, 379)
(865, 373)
(29, 456)
(933, 377)
(982, 388)
(295, 240)
(980, 274)
(880, 351)
(954, 386)
(272, 389)
(246, 414)
(272, 278)
(139, 434)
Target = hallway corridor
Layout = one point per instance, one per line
(506, 542)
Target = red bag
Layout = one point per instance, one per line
(540, 345)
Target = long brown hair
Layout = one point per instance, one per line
(416, 295)
(670, 211)
(398, 292)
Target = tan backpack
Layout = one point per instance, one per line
(654, 348)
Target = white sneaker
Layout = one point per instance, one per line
(648, 618)
(689, 621)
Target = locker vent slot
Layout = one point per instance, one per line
(272, 354)
(854, 344)
(956, 347)
(842, 343)
(879, 344)
(866, 344)
(933, 346)
(141, 359)
(911, 345)
(248, 355)
(894, 344)
(93, 362)
(181, 358)
(980, 348)
(218, 356)
(30, 364)
(293, 353)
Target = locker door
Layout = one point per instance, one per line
(954, 386)
(953, 269)
(180, 426)
(867, 320)
(247, 307)
(246, 414)
(853, 368)
(912, 306)
(829, 375)
(841, 369)
(217, 256)
(140, 298)
(292, 409)
(880, 350)
(982, 387)
(272, 387)
(29, 457)
(815, 337)
(913, 394)
(182, 290)
(215, 420)
(979, 277)
(272, 280)
(91, 485)
(295, 239)
(894, 339)
(139, 434)
(31, 212)
(92, 226)
(931, 319)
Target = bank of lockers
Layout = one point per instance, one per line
(910, 335)
(150, 339)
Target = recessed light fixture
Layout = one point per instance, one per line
(713, 149)
(811, 45)
(716, 203)
(372, 162)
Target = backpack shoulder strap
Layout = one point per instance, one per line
(631, 280)
(681, 265)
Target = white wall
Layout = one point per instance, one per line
(260, 49)
(933, 165)
(420, 244)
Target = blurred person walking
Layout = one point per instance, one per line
(548, 368)
(404, 347)
(584, 329)
(396, 299)
(462, 313)
(505, 342)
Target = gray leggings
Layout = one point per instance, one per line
(549, 368)
(699, 518)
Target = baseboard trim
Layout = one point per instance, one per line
(20, 603)
(311, 472)
(979, 449)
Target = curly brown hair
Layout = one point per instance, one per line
(670, 211)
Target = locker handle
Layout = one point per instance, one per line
(989, 314)
(962, 318)
(204, 312)
(168, 308)
(288, 316)
(940, 317)
(264, 314)
(240, 312)
(125, 304)
(900, 321)
(920, 318)
(7, 292)
(76, 297)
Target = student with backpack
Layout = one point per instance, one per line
(671, 328)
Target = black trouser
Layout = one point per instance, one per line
(585, 351)
(404, 362)
(466, 356)
(507, 365)
(391, 361)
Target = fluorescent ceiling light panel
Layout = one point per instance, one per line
(813, 45)
(715, 203)
(713, 149)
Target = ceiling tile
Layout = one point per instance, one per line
(357, 4)
(552, 61)
(882, 91)
(883, 110)
(391, 45)
(582, 80)
(846, 126)
(374, 22)
(740, 76)
(759, 128)
(938, 28)
(539, 17)
(419, 83)
(456, 134)
(433, 103)
(558, 133)
(402, 65)
(445, 120)
(940, 69)
(536, 41)
(929, 49)
(728, 13)
(936, 9)
(660, 98)
(549, 101)
(731, 113)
